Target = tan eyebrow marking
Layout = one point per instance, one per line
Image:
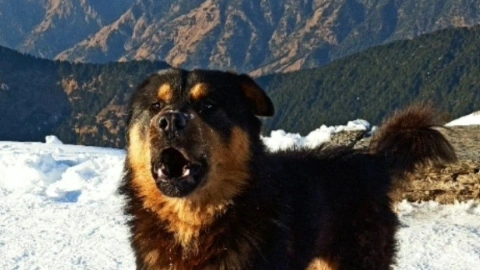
(199, 91)
(165, 92)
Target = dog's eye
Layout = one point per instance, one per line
(207, 105)
(155, 107)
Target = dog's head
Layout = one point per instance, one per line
(193, 130)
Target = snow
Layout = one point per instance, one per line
(59, 209)
(4, 86)
(280, 140)
(435, 236)
(52, 139)
(467, 120)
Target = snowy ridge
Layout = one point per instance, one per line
(467, 120)
(59, 209)
(281, 140)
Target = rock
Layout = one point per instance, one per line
(347, 137)
(444, 184)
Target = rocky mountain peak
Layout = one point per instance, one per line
(258, 37)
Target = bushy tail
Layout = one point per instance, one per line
(407, 140)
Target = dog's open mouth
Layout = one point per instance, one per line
(176, 175)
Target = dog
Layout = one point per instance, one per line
(202, 191)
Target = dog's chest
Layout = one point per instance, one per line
(209, 252)
(215, 247)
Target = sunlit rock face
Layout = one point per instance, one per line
(258, 37)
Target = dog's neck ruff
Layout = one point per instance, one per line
(186, 219)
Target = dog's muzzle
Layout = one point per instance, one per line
(175, 174)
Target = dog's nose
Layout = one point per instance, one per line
(171, 122)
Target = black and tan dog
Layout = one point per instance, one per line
(203, 193)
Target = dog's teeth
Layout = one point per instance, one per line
(163, 172)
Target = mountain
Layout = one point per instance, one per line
(82, 103)
(441, 68)
(45, 27)
(259, 37)
(85, 103)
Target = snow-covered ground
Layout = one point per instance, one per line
(59, 210)
(471, 119)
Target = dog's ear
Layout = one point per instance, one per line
(259, 102)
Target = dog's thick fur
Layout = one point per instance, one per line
(203, 193)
